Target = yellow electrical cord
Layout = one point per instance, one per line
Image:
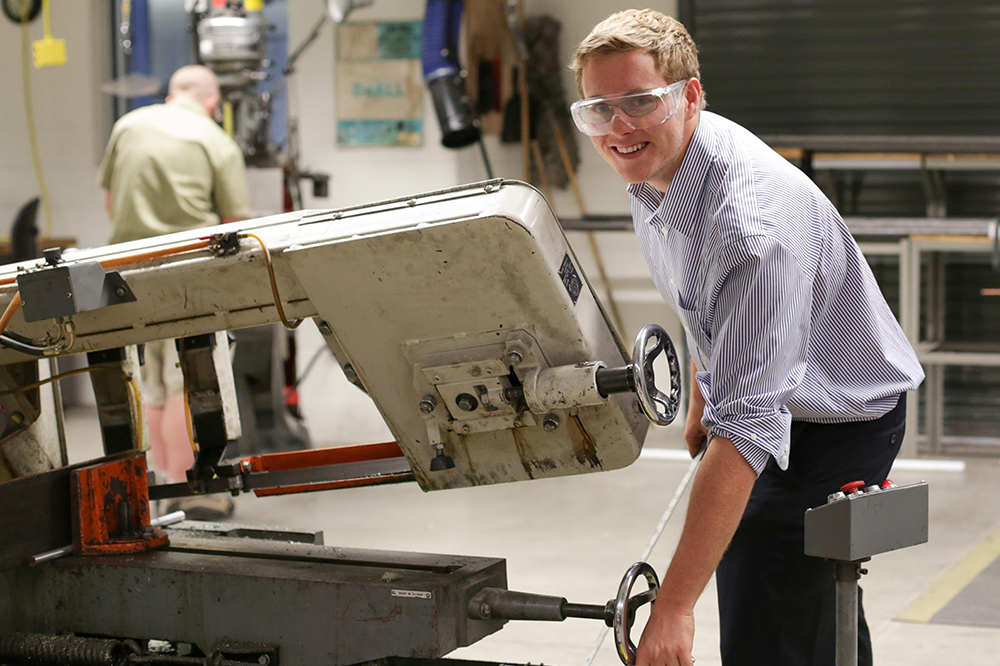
(61, 375)
(187, 418)
(46, 19)
(274, 285)
(29, 112)
(132, 386)
(228, 125)
(137, 399)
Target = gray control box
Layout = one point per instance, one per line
(66, 289)
(861, 525)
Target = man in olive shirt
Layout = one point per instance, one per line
(168, 168)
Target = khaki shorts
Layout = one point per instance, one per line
(161, 374)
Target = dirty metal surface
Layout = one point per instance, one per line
(320, 605)
(447, 284)
(202, 528)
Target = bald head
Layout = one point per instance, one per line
(197, 84)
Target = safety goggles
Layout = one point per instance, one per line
(594, 116)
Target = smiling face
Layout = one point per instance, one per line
(650, 155)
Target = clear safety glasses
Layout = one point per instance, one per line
(595, 115)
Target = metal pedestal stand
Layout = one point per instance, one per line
(847, 574)
(855, 524)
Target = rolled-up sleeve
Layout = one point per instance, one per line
(758, 316)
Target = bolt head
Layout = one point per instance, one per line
(17, 417)
(485, 610)
(466, 429)
(121, 291)
(427, 404)
(515, 356)
(550, 423)
(475, 371)
(466, 402)
(245, 466)
(263, 660)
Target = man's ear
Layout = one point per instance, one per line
(692, 97)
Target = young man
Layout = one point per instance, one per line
(800, 369)
(167, 168)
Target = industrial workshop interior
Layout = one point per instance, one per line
(499, 332)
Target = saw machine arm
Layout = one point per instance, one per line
(463, 313)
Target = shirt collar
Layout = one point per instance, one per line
(189, 105)
(677, 206)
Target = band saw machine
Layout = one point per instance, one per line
(464, 315)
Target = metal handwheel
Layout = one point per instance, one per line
(625, 608)
(659, 407)
(492, 603)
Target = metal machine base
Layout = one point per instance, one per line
(317, 604)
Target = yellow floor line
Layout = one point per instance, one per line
(948, 586)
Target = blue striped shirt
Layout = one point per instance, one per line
(783, 316)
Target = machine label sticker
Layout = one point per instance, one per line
(570, 278)
(412, 594)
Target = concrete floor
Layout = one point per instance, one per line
(575, 537)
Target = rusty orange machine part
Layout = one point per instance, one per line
(274, 462)
(110, 508)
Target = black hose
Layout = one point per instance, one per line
(20, 344)
(309, 367)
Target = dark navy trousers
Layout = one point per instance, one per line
(776, 605)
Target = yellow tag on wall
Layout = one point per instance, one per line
(49, 52)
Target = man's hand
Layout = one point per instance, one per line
(718, 498)
(668, 637)
(695, 434)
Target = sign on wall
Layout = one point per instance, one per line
(379, 84)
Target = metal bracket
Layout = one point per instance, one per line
(111, 508)
(67, 289)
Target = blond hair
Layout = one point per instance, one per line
(663, 37)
